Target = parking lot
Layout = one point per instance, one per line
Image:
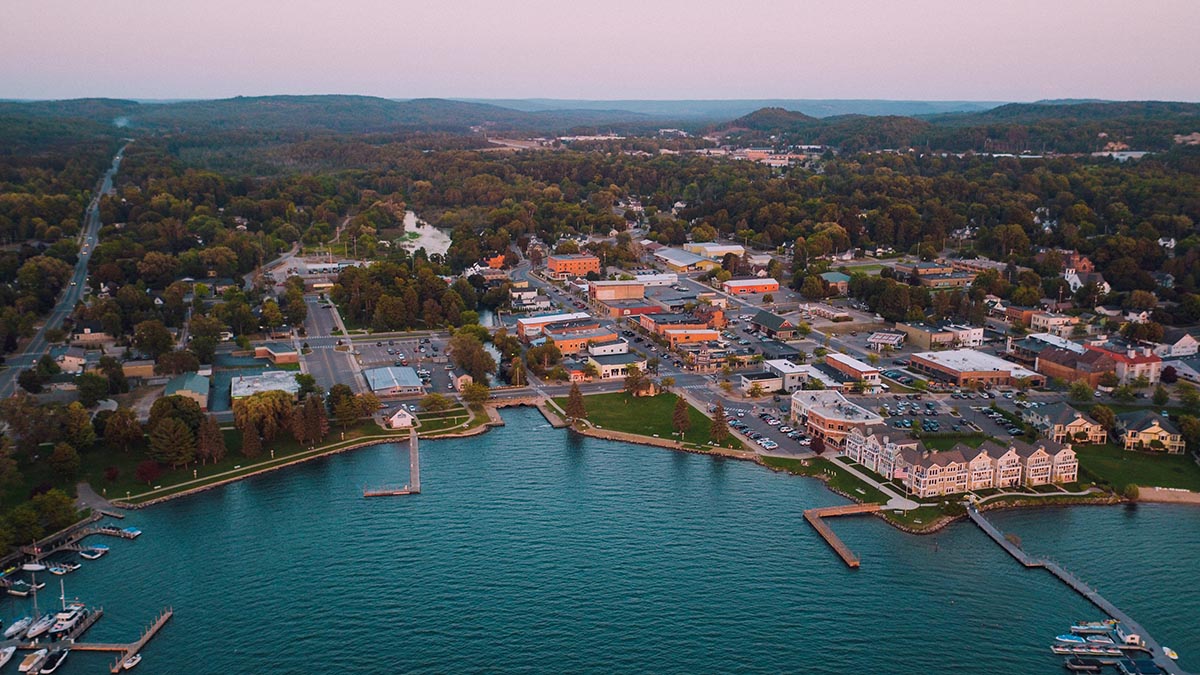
(426, 355)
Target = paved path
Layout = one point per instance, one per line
(88, 498)
(895, 501)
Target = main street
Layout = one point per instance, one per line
(73, 292)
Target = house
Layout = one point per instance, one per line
(746, 286)
(569, 265)
(190, 385)
(394, 381)
(1176, 343)
(460, 381)
(837, 282)
(774, 325)
(1077, 279)
(1061, 423)
(401, 419)
(963, 468)
(89, 332)
(73, 360)
(1052, 322)
(142, 368)
(1145, 430)
(528, 300)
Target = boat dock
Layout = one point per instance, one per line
(414, 474)
(815, 518)
(1151, 645)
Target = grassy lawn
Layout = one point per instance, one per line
(647, 416)
(915, 518)
(440, 423)
(838, 477)
(1118, 467)
(947, 441)
(456, 411)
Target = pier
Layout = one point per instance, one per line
(1092, 595)
(414, 474)
(815, 518)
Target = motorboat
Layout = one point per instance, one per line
(56, 569)
(93, 553)
(54, 661)
(1083, 664)
(1101, 640)
(1170, 653)
(17, 628)
(41, 626)
(6, 655)
(70, 566)
(132, 532)
(132, 661)
(1070, 639)
(67, 619)
(1094, 627)
(33, 662)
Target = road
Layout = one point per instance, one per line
(74, 291)
(324, 362)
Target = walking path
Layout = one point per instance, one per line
(896, 502)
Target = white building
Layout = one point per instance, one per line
(401, 419)
(608, 348)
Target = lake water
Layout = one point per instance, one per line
(429, 237)
(537, 551)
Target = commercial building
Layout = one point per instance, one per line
(681, 261)
(531, 326)
(616, 365)
(193, 386)
(89, 332)
(936, 275)
(277, 353)
(1069, 365)
(884, 340)
(574, 342)
(967, 367)
(528, 300)
(660, 323)
(827, 415)
(604, 291)
(941, 334)
(774, 325)
(618, 309)
(1053, 323)
(1146, 431)
(766, 382)
(837, 282)
(141, 368)
(678, 336)
(791, 375)
(714, 251)
(568, 265)
(855, 370)
(608, 348)
(272, 380)
(1061, 423)
(746, 286)
(1029, 348)
(656, 280)
(394, 381)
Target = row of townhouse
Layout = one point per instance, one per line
(961, 469)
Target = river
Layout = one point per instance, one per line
(534, 550)
(420, 234)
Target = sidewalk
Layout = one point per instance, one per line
(895, 502)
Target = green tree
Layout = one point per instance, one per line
(516, 373)
(467, 352)
(718, 428)
(177, 407)
(123, 429)
(316, 422)
(1188, 395)
(176, 362)
(337, 394)
(271, 315)
(210, 442)
(92, 388)
(1160, 396)
(31, 380)
(1189, 427)
(152, 338)
(635, 380)
(1104, 416)
(435, 402)
(64, 460)
(206, 333)
(576, 409)
(346, 412)
(77, 426)
(1080, 390)
(172, 443)
(308, 385)
(681, 420)
(269, 412)
(251, 442)
(476, 393)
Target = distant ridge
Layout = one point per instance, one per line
(718, 109)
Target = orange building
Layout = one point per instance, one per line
(496, 262)
(679, 336)
(577, 341)
(572, 265)
(740, 286)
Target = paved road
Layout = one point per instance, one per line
(325, 363)
(74, 291)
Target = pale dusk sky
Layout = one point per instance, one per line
(1018, 50)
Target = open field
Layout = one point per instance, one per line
(647, 416)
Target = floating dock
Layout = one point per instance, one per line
(1151, 645)
(815, 518)
(414, 474)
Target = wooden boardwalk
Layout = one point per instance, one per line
(1092, 595)
(132, 648)
(815, 518)
(414, 474)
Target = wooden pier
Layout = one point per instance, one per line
(414, 474)
(1151, 645)
(815, 518)
(135, 647)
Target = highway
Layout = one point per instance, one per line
(73, 292)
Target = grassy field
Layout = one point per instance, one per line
(1118, 467)
(648, 416)
(945, 442)
(838, 477)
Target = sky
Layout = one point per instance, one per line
(994, 50)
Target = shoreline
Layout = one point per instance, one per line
(1159, 495)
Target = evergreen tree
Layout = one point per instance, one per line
(681, 420)
(576, 409)
(172, 443)
(251, 443)
(210, 445)
(718, 429)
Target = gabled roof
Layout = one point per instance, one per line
(1141, 420)
(1061, 413)
(771, 321)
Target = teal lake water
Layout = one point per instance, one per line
(536, 551)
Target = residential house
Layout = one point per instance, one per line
(1145, 430)
(1061, 423)
(89, 332)
(73, 360)
(1131, 363)
(401, 419)
(1176, 343)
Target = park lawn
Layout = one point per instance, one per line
(919, 518)
(1118, 467)
(440, 423)
(838, 477)
(945, 442)
(646, 416)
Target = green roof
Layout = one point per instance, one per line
(191, 382)
(772, 321)
(835, 277)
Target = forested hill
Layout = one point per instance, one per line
(337, 113)
(1016, 127)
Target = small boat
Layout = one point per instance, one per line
(70, 566)
(54, 661)
(1094, 627)
(56, 569)
(132, 661)
(1101, 640)
(133, 532)
(18, 627)
(33, 662)
(93, 553)
(1170, 653)
(6, 655)
(41, 626)
(1083, 664)
(1070, 639)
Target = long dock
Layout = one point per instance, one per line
(815, 518)
(1092, 595)
(414, 474)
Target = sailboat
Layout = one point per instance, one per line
(40, 624)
